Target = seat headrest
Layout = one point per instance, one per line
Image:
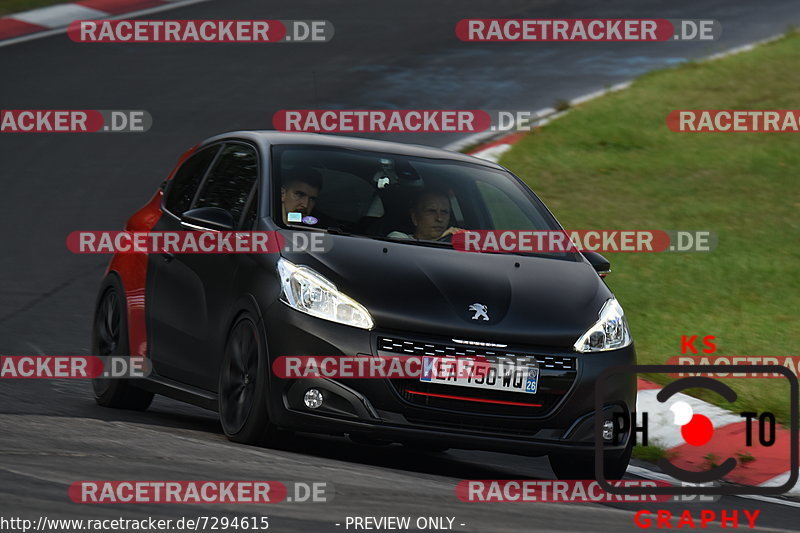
(375, 209)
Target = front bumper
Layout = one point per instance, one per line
(382, 409)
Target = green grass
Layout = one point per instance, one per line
(613, 164)
(15, 6)
(653, 452)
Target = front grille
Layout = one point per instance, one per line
(556, 375)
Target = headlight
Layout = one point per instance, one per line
(307, 291)
(610, 332)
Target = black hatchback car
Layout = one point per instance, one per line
(388, 282)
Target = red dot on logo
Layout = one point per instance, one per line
(697, 431)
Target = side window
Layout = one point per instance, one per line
(183, 186)
(505, 213)
(230, 181)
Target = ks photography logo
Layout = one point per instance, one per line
(696, 428)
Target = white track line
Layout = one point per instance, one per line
(54, 16)
(173, 4)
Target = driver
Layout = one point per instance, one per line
(299, 192)
(430, 214)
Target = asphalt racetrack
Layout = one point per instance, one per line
(388, 54)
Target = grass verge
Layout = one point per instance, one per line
(613, 164)
(652, 452)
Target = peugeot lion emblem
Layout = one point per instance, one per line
(480, 311)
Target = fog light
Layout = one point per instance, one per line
(608, 430)
(313, 399)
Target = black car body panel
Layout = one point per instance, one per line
(419, 298)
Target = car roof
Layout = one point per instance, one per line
(266, 138)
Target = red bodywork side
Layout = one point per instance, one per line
(132, 268)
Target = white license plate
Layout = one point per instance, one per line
(501, 375)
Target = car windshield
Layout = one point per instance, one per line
(389, 196)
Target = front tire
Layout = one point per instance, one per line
(110, 337)
(243, 385)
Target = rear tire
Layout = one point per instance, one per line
(110, 337)
(243, 385)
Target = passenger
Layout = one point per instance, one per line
(430, 214)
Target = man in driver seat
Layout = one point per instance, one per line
(430, 214)
(299, 191)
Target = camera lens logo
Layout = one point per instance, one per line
(696, 429)
(675, 415)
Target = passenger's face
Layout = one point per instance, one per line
(298, 197)
(431, 217)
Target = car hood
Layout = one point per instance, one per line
(440, 291)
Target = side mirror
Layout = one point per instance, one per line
(600, 263)
(210, 217)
